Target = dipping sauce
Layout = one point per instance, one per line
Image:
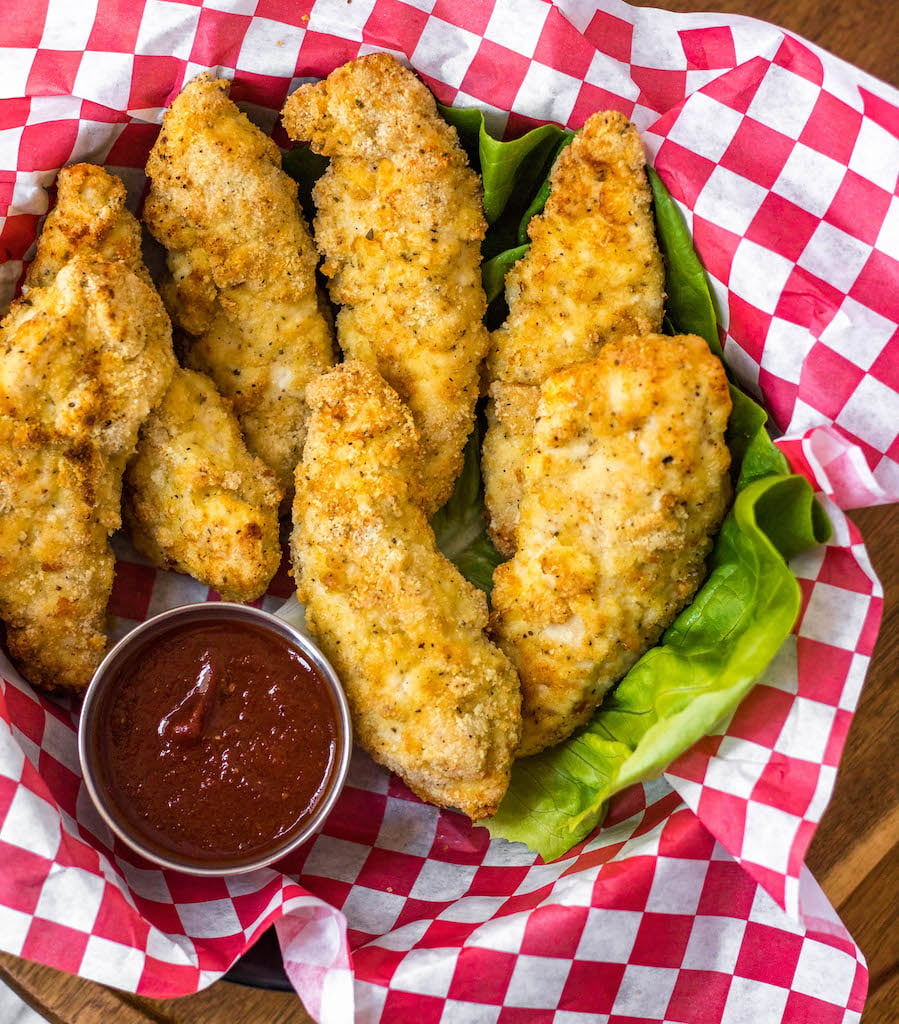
(215, 740)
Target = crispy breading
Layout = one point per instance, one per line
(90, 218)
(431, 698)
(87, 357)
(58, 505)
(504, 451)
(83, 361)
(242, 267)
(593, 273)
(400, 223)
(625, 487)
(196, 500)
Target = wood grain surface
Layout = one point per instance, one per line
(855, 852)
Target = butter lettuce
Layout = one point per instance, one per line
(516, 183)
(513, 172)
(460, 526)
(688, 301)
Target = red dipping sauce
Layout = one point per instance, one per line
(214, 741)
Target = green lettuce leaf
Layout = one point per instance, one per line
(542, 194)
(460, 526)
(513, 170)
(493, 271)
(688, 301)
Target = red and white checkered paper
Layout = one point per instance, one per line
(692, 902)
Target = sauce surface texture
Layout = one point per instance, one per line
(216, 740)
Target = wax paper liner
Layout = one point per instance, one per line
(692, 903)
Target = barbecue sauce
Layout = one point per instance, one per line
(216, 740)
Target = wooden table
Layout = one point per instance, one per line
(855, 852)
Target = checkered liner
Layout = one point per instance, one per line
(692, 902)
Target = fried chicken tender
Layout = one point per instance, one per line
(93, 393)
(593, 273)
(58, 505)
(196, 500)
(431, 698)
(83, 361)
(626, 485)
(87, 358)
(90, 218)
(510, 411)
(400, 223)
(242, 267)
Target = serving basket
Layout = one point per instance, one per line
(692, 901)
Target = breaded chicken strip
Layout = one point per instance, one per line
(431, 697)
(593, 273)
(626, 485)
(90, 224)
(400, 223)
(242, 267)
(86, 358)
(511, 409)
(90, 218)
(196, 500)
(83, 361)
(58, 505)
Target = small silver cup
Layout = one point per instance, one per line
(220, 611)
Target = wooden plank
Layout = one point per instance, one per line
(870, 915)
(225, 1002)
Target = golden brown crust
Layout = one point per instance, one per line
(626, 485)
(83, 360)
(507, 443)
(242, 267)
(197, 501)
(399, 222)
(90, 218)
(88, 356)
(431, 697)
(58, 504)
(593, 273)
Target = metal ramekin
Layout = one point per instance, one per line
(217, 611)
